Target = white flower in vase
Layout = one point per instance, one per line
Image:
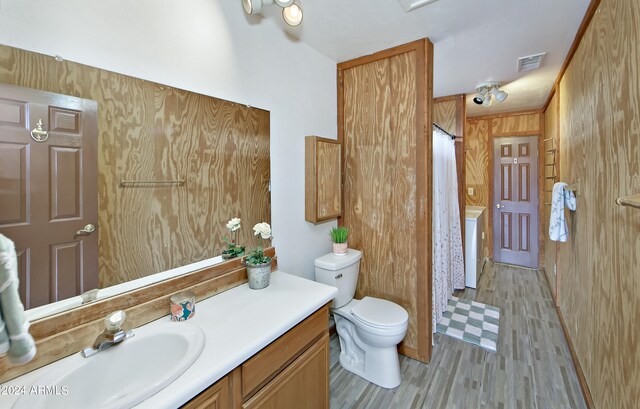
(262, 229)
(233, 224)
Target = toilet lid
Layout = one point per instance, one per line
(379, 313)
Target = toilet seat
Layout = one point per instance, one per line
(378, 313)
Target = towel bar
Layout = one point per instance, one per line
(629, 201)
(574, 187)
(125, 183)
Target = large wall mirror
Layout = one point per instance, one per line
(107, 179)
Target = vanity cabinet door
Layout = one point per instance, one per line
(275, 357)
(217, 396)
(302, 385)
(323, 179)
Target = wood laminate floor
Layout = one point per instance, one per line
(532, 368)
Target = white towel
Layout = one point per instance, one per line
(558, 230)
(15, 340)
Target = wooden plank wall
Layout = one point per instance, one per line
(599, 267)
(551, 151)
(151, 131)
(384, 104)
(479, 134)
(450, 113)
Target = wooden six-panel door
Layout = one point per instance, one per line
(515, 201)
(48, 191)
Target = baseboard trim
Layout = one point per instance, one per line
(586, 392)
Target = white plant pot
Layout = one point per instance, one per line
(340, 249)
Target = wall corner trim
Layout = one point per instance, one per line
(588, 16)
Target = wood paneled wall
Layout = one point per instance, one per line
(479, 134)
(599, 267)
(451, 113)
(151, 131)
(385, 103)
(551, 152)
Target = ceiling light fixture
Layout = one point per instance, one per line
(291, 9)
(480, 96)
(498, 94)
(487, 91)
(292, 15)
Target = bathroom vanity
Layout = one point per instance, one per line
(263, 349)
(291, 372)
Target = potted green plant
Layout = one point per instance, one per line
(233, 250)
(258, 264)
(339, 237)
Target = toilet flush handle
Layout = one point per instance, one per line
(339, 276)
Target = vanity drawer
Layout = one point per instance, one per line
(267, 363)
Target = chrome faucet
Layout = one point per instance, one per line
(112, 335)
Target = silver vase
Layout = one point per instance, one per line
(259, 275)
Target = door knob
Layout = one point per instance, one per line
(499, 206)
(88, 229)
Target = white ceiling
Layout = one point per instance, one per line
(474, 40)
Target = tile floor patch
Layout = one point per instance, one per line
(472, 322)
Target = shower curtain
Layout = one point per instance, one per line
(448, 264)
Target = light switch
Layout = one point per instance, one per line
(470, 191)
(482, 235)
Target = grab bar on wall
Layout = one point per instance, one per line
(125, 183)
(630, 201)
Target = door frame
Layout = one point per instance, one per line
(540, 134)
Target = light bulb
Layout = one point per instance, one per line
(252, 6)
(292, 15)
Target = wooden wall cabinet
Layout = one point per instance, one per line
(323, 179)
(290, 373)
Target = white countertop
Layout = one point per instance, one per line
(237, 323)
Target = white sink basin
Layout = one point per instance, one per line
(121, 376)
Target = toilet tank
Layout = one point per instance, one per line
(340, 272)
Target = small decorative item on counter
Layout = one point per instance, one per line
(183, 306)
(258, 264)
(339, 237)
(234, 250)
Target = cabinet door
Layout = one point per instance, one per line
(217, 396)
(303, 385)
(323, 179)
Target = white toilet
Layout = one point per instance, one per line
(369, 329)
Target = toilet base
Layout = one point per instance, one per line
(380, 366)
